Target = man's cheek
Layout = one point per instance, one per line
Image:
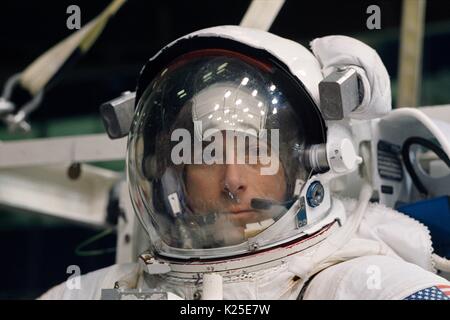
(273, 187)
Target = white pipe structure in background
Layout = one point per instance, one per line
(411, 47)
(261, 14)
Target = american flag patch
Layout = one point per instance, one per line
(438, 292)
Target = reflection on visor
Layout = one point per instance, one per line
(203, 231)
(225, 107)
(197, 230)
(216, 142)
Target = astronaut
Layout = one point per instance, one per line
(230, 162)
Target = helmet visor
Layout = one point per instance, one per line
(213, 156)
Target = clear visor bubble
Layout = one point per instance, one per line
(213, 154)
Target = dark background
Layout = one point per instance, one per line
(36, 250)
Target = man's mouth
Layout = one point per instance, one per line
(240, 217)
(239, 211)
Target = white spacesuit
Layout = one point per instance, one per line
(230, 163)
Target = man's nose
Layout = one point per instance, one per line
(234, 179)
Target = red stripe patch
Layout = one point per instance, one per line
(445, 288)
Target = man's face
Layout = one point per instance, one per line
(229, 188)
